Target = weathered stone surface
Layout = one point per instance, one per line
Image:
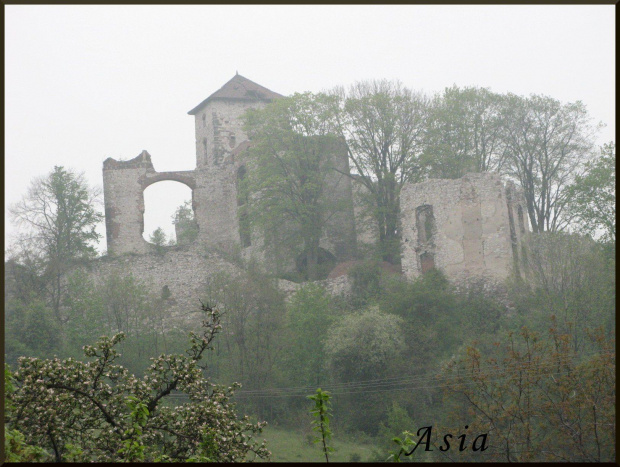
(220, 144)
(462, 227)
(471, 228)
(183, 270)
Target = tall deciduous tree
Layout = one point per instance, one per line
(59, 214)
(464, 133)
(291, 176)
(593, 195)
(547, 143)
(537, 399)
(383, 125)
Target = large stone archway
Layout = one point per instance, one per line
(124, 183)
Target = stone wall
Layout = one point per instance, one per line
(464, 227)
(124, 183)
(183, 270)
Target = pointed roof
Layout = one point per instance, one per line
(239, 88)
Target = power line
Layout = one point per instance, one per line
(403, 383)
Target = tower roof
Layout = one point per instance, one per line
(239, 88)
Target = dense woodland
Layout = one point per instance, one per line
(92, 373)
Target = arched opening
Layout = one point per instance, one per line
(168, 207)
(425, 225)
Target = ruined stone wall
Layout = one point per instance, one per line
(462, 227)
(124, 183)
(124, 204)
(183, 270)
(340, 238)
(219, 130)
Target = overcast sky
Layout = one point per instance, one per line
(84, 83)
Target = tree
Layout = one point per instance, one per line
(383, 125)
(537, 399)
(309, 318)
(593, 195)
(465, 133)
(570, 277)
(547, 143)
(96, 411)
(365, 346)
(159, 239)
(291, 173)
(60, 218)
(185, 225)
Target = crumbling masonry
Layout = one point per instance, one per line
(470, 227)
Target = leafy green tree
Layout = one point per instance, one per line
(547, 143)
(363, 346)
(383, 125)
(251, 348)
(31, 329)
(464, 133)
(571, 277)
(97, 411)
(593, 196)
(310, 317)
(185, 225)
(537, 398)
(382, 338)
(15, 447)
(59, 216)
(291, 173)
(159, 239)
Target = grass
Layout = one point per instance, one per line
(293, 446)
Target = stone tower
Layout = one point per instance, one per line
(219, 137)
(220, 148)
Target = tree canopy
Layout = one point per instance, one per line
(291, 173)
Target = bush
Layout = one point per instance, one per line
(97, 411)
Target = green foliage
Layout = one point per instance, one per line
(404, 444)
(58, 209)
(547, 143)
(99, 409)
(383, 125)
(366, 285)
(593, 196)
(60, 219)
(362, 345)
(398, 421)
(291, 174)
(465, 133)
(31, 330)
(570, 277)
(309, 319)
(320, 424)
(133, 444)
(185, 225)
(251, 350)
(160, 240)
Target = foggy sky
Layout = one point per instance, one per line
(88, 82)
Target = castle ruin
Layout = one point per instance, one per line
(470, 227)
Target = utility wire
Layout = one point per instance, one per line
(397, 383)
